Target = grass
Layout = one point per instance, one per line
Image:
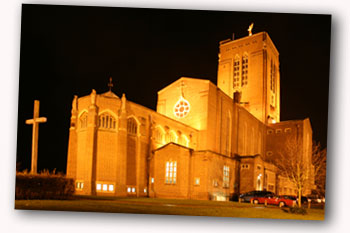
(169, 207)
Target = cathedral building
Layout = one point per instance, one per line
(204, 141)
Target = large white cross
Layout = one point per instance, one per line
(35, 135)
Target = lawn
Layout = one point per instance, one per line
(168, 206)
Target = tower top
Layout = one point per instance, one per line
(250, 29)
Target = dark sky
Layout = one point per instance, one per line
(69, 50)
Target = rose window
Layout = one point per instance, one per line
(181, 108)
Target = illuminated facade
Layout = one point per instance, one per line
(203, 142)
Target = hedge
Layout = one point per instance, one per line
(43, 186)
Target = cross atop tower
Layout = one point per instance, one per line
(35, 135)
(110, 84)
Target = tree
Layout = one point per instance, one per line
(293, 165)
(319, 161)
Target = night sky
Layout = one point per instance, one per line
(70, 50)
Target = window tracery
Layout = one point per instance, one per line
(106, 121)
(132, 126)
(245, 70)
(83, 120)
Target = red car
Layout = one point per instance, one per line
(274, 200)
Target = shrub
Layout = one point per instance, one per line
(43, 186)
(297, 210)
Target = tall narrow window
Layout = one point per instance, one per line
(132, 126)
(226, 176)
(171, 137)
(106, 121)
(273, 77)
(228, 134)
(273, 83)
(159, 135)
(184, 140)
(83, 120)
(236, 70)
(170, 172)
(245, 70)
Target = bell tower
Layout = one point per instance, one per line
(248, 72)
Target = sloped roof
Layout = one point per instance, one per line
(185, 78)
(109, 94)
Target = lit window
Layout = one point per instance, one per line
(133, 190)
(83, 120)
(170, 172)
(272, 103)
(197, 181)
(152, 180)
(244, 70)
(226, 176)
(98, 187)
(132, 126)
(145, 190)
(106, 121)
(171, 137)
(159, 135)
(104, 187)
(80, 185)
(273, 83)
(273, 77)
(110, 187)
(184, 140)
(236, 68)
(129, 190)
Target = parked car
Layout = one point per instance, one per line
(304, 200)
(246, 197)
(291, 197)
(275, 200)
(316, 199)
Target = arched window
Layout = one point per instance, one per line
(245, 70)
(273, 77)
(83, 120)
(159, 135)
(106, 121)
(171, 137)
(132, 126)
(184, 140)
(273, 83)
(236, 70)
(228, 133)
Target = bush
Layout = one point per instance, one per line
(297, 210)
(43, 186)
(234, 197)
